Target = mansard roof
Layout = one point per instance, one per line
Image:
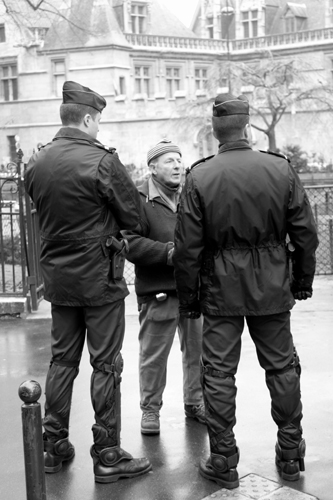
(298, 10)
(87, 23)
(165, 23)
(93, 23)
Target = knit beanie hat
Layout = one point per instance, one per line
(161, 148)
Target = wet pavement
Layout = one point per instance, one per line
(177, 451)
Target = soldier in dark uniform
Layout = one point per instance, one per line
(230, 262)
(84, 197)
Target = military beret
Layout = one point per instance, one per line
(161, 148)
(74, 93)
(227, 104)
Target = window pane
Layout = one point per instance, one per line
(137, 86)
(254, 28)
(59, 66)
(204, 73)
(246, 30)
(254, 14)
(133, 25)
(169, 89)
(147, 87)
(197, 73)
(146, 71)
(141, 24)
(137, 70)
(13, 70)
(6, 90)
(2, 33)
(5, 71)
(245, 15)
(176, 72)
(59, 82)
(15, 89)
(168, 72)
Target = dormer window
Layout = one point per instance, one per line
(210, 26)
(250, 23)
(295, 17)
(139, 17)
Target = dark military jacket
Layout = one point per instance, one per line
(83, 194)
(235, 212)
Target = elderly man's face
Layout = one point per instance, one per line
(168, 169)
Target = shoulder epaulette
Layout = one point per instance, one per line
(280, 155)
(106, 148)
(198, 162)
(41, 146)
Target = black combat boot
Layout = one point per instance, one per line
(290, 462)
(113, 463)
(56, 453)
(222, 469)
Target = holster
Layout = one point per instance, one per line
(117, 251)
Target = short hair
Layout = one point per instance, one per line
(74, 113)
(229, 126)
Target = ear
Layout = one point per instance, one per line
(152, 167)
(86, 120)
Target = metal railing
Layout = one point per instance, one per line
(13, 258)
(276, 41)
(321, 200)
(19, 238)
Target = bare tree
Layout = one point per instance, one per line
(28, 14)
(277, 85)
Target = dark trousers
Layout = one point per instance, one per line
(275, 350)
(104, 328)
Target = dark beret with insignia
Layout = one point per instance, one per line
(74, 93)
(228, 104)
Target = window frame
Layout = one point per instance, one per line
(10, 92)
(201, 78)
(250, 23)
(176, 82)
(57, 92)
(146, 81)
(2, 33)
(138, 20)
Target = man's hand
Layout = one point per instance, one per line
(190, 309)
(170, 254)
(301, 291)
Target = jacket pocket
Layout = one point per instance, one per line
(162, 311)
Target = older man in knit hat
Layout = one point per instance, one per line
(156, 292)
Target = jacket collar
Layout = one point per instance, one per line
(149, 190)
(240, 144)
(74, 133)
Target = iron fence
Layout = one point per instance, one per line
(19, 237)
(321, 200)
(13, 263)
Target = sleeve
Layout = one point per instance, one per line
(189, 242)
(302, 231)
(144, 251)
(115, 186)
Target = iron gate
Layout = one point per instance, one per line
(19, 238)
(20, 273)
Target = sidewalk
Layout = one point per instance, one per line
(176, 453)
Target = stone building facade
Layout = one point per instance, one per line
(153, 70)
